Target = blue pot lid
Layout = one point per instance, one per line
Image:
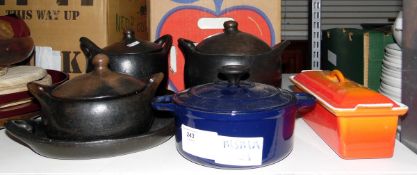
(234, 96)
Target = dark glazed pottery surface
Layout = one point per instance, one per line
(99, 83)
(131, 45)
(105, 111)
(32, 133)
(134, 57)
(231, 48)
(233, 42)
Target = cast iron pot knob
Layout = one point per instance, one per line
(234, 73)
(230, 26)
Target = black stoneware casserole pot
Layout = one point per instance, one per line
(232, 47)
(98, 105)
(132, 56)
(234, 123)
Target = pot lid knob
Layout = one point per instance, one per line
(234, 73)
(234, 96)
(101, 62)
(129, 35)
(230, 26)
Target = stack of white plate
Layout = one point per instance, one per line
(391, 72)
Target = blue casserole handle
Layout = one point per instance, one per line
(305, 102)
(163, 103)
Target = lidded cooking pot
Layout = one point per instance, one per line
(232, 47)
(98, 105)
(234, 123)
(132, 56)
(354, 121)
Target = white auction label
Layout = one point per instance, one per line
(199, 142)
(243, 151)
(332, 57)
(133, 44)
(239, 151)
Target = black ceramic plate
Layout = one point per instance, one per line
(32, 133)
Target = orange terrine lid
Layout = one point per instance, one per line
(344, 97)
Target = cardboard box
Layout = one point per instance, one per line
(197, 20)
(60, 23)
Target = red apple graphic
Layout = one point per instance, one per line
(185, 22)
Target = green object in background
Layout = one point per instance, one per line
(374, 45)
(343, 50)
(357, 53)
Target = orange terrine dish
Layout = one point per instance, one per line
(356, 122)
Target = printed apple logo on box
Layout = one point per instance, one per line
(197, 23)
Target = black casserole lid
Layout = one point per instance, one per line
(131, 45)
(233, 42)
(234, 95)
(99, 83)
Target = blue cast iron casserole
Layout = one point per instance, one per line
(233, 123)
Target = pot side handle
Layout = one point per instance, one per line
(89, 48)
(279, 48)
(165, 41)
(163, 103)
(23, 125)
(186, 46)
(305, 102)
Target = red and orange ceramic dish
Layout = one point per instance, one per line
(30, 107)
(354, 121)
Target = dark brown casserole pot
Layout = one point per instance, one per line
(133, 56)
(232, 47)
(98, 105)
